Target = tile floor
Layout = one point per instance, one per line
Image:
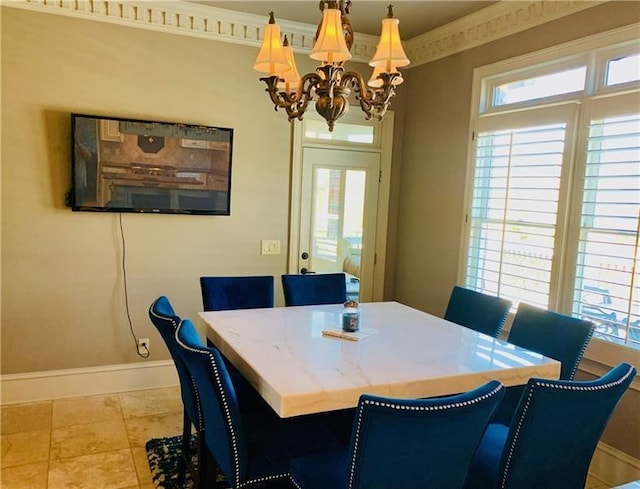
(86, 443)
(91, 442)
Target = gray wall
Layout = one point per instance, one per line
(62, 295)
(435, 141)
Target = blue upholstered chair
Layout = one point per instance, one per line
(405, 443)
(224, 293)
(553, 435)
(166, 321)
(314, 289)
(554, 335)
(241, 292)
(250, 446)
(476, 310)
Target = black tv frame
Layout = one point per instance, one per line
(135, 165)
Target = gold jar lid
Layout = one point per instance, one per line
(351, 304)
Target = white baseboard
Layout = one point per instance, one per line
(76, 382)
(613, 467)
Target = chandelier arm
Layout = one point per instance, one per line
(303, 95)
(374, 102)
(294, 103)
(364, 95)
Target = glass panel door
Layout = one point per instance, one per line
(340, 199)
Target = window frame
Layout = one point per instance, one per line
(350, 118)
(492, 82)
(603, 56)
(596, 51)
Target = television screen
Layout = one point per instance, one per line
(127, 165)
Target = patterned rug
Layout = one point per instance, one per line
(164, 457)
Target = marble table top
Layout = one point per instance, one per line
(283, 354)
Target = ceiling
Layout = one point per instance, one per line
(415, 17)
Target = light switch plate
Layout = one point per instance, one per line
(270, 247)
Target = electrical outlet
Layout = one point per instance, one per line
(143, 346)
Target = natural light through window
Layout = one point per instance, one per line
(326, 213)
(623, 70)
(354, 208)
(514, 212)
(553, 212)
(352, 133)
(338, 211)
(607, 278)
(540, 87)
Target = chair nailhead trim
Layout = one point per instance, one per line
(404, 407)
(540, 383)
(200, 420)
(582, 350)
(250, 483)
(234, 442)
(216, 375)
(293, 481)
(198, 404)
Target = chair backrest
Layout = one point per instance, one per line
(224, 293)
(224, 433)
(556, 428)
(411, 443)
(476, 310)
(554, 335)
(166, 321)
(314, 289)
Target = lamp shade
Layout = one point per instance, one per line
(389, 51)
(271, 58)
(375, 82)
(290, 77)
(330, 46)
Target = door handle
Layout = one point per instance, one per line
(305, 271)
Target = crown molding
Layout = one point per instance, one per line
(189, 19)
(178, 17)
(499, 20)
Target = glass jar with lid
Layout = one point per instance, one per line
(351, 317)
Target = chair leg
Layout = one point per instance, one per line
(183, 463)
(186, 461)
(208, 469)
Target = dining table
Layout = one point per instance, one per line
(293, 358)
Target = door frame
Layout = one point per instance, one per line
(383, 145)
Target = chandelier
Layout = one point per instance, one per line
(330, 86)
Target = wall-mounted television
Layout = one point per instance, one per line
(130, 165)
